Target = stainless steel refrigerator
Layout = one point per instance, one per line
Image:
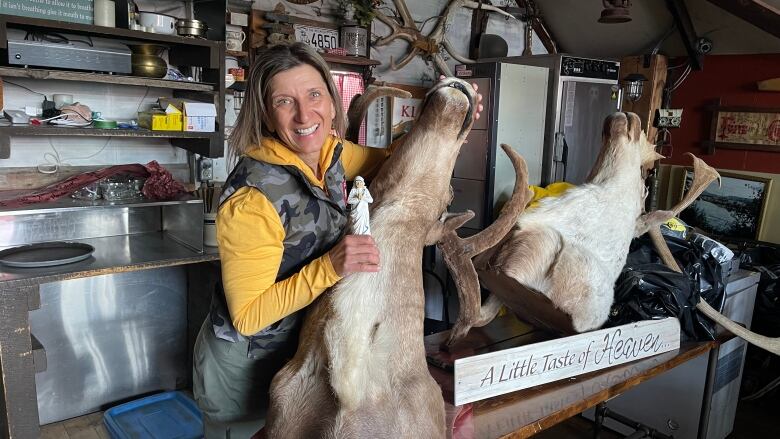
(514, 98)
(581, 93)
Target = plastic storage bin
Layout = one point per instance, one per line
(165, 415)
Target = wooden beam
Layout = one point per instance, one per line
(758, 13)
(538, 25)
(653, 67)
(479, 21)
(18, 402)
(769, 85)
(682, 19)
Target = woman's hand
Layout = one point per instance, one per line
(355, 253)
(479, 98)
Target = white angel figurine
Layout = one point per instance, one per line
(359, 198)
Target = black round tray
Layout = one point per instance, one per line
(45, 254)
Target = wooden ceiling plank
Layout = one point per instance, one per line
(758, 13)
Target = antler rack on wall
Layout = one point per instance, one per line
(427, 46)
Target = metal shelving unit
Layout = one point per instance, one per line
(63, 75)
(182, 51)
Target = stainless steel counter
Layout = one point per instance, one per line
(113, 317)
(113, 254)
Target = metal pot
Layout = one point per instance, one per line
(146, 49)
(149, 66)
(191, 28)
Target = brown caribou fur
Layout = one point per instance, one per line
(360, 369)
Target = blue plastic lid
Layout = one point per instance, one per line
(166, 415)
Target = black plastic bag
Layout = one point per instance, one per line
(647, 289)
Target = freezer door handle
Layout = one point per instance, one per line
(560, 155)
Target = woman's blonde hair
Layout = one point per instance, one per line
(269, 62)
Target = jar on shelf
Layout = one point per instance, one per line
(354, 38)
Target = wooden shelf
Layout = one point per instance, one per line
(238, 86)
(351, 60)
(98, 31)
(209, 54)
(65, 75)
(183, 51)
(236, 53)
(207, 144)
(27, 130)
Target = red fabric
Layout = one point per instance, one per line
(349, 85)
(461, 420)
(160, 184)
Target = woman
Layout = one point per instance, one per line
(279, 228)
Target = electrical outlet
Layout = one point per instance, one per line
(668, 118)
(33, 111)
(205, 169)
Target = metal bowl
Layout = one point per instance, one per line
(191, 28)
(149, 66)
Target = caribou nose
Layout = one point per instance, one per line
(460, 87)
(470, 113)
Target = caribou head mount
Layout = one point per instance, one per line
(571, 248)
(360, 369)
(558, 266)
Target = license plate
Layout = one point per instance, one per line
(318, 37)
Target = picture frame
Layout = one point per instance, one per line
(746, 128)
(735, 209)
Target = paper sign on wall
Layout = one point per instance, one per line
(404, 112)
(74, 11)
(496, 373)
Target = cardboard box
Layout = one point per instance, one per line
(73, 11)
(170, 119)
(199, 116)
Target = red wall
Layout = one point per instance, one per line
(733, 79)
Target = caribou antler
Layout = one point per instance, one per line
(703, 175)
(359, 107)
(458, 252)
(431, 45)
(770, 344)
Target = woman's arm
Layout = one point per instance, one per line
(250, 236)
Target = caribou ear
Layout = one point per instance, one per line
(614, 125)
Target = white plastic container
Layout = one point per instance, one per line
(105, 13)
(157, 23)
(210, 229)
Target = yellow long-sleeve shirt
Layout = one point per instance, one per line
(250, 235)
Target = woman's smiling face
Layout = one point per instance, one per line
(301, 111)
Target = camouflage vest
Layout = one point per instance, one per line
(313, 221)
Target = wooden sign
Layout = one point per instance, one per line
(749, 128)
(74, 11)
(496, 373)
